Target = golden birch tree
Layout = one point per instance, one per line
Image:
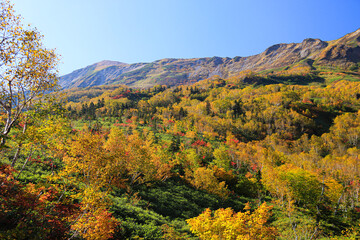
(27, 68)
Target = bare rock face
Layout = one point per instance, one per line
(343, 52)
(310, 46)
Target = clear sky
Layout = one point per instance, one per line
(88, 31)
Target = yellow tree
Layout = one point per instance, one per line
(27, 68)
(204, 178)
(90, 168)
(229, 225)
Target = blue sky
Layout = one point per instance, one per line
(88, 31)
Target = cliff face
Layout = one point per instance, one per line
(343, 53)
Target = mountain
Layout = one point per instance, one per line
(96, 74)
(342, 53)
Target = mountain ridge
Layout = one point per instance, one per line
(343, 52)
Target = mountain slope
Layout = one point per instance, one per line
(342, 53)
(96, 74)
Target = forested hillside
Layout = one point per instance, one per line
(129, 163)
(267, 154)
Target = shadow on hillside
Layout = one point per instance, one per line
(289, 80)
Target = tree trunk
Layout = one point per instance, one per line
(7, 128)
(4, 135)
(19, 147)
(16, 156)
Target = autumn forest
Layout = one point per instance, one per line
(260, 154)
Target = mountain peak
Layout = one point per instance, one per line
(356, 33)
(107, 63)
(343, 52)
(273, 48)
(312, 40)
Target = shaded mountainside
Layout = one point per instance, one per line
(342, 53)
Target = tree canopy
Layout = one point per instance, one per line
(27, 68)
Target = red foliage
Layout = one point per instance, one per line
(118, 96)
(199, 143)
(232, 141)
(254, 167)
(34, 211)
(307, 101)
